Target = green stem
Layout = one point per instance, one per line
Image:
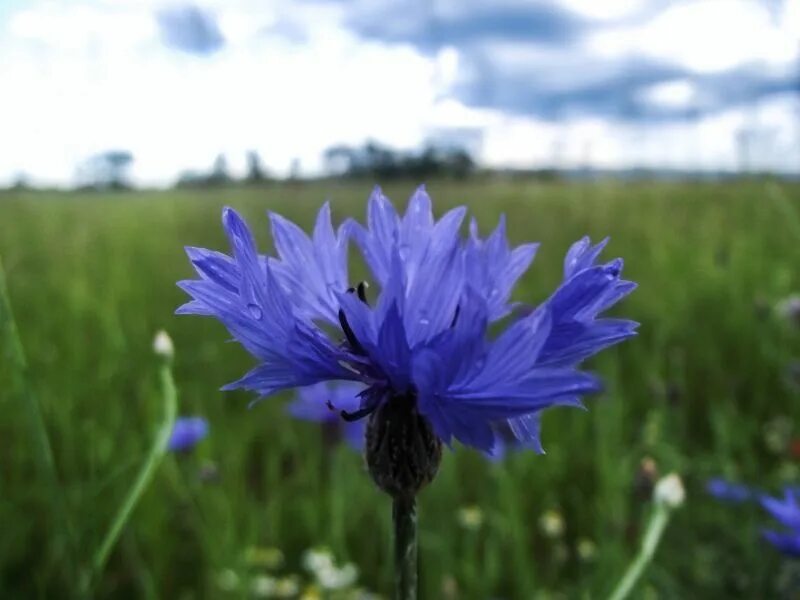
(655, 528)
(404, 517)
(156, 454)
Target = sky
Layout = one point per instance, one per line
(612, 84)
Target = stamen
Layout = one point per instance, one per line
(358, 414)
(362, 292)
(348, 333)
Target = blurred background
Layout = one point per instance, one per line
(126, 126)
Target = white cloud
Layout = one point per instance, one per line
(709, 144)
(82, 93)
(87, 76)
(706, 36)
(671, 94)
(606, 9)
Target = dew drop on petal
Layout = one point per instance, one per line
(255, 311)
(403, 250)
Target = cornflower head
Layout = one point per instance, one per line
(728, 491)
(322, 403)
(786, 511)
(187, 433)
(419, 344)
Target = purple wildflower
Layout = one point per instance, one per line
(187, 432)
(422, 348)
(727, 491)
(787, 512)
(322, 403)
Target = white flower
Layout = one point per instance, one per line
(163, 346)
(552, 524)
(669, 491)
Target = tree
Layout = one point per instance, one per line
(107, 170)
(219, 171)
(255, 171)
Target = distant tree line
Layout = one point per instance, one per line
(219, 175)
(377, 161)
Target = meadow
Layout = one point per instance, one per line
(705, 390)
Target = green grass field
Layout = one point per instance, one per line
(702, 391)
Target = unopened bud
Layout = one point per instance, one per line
(163, 346)
(402, 451)
(669, 491)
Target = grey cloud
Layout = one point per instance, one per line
(189, 29)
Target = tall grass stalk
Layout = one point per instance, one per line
(655, 529)
(157, 452)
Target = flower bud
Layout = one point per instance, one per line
(669, 491)
(403, 453)
(163, 346)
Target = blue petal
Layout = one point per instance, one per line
(582, 255)
(493, 269)
(216, 267)
(311, 271)
(787, 543)
(786, 510)
(187, 432)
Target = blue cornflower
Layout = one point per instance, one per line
(430, 370)
(787, 512)
(728, 491)
(322, 403)
(187, 432)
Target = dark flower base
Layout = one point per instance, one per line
(403, 453)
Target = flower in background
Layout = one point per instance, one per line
(470, 517)
(422, 348)
(669, 491)
(727, 491)
(187, 432)
(787, 512)
(320, 563)
(506, 441)
(552, 524)
(323, 403)
(789, 309)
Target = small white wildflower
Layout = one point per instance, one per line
(336, 579)
(262, 586)
(470, 517)
(287, 587)
(163, 346)
(552, 524)
(317, 559)
(669, 491)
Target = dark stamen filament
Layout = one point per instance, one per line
(362, 292)
(358, 414)
(348, 333)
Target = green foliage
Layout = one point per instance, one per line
(92, 278)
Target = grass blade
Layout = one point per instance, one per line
(13, 357)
